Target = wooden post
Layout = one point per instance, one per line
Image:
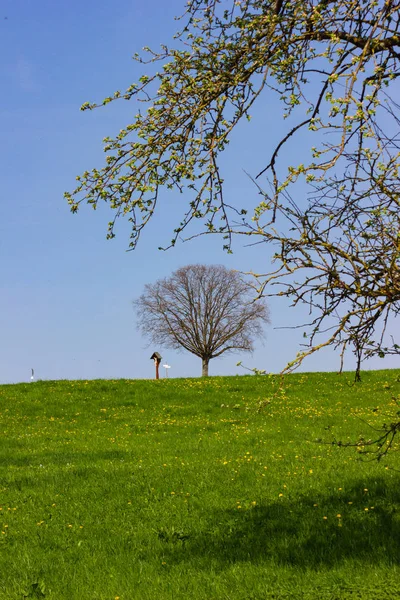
(157, 359)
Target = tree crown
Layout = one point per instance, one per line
(332, 64)
(205, 309)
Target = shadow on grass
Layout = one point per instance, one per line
(296, 533)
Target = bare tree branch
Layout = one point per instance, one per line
(332, 217)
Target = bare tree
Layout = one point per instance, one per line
(206, 310)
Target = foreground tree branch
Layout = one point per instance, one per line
(333, 217)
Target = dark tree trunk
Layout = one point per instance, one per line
(205, 362)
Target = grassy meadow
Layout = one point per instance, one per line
(182, 488)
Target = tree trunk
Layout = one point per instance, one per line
(205, 362)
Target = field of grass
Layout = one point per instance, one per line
(182, 489)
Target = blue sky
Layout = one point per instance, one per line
(66, 292)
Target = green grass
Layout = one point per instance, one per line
(181, 489)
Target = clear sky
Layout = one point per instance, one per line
(66, 293)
